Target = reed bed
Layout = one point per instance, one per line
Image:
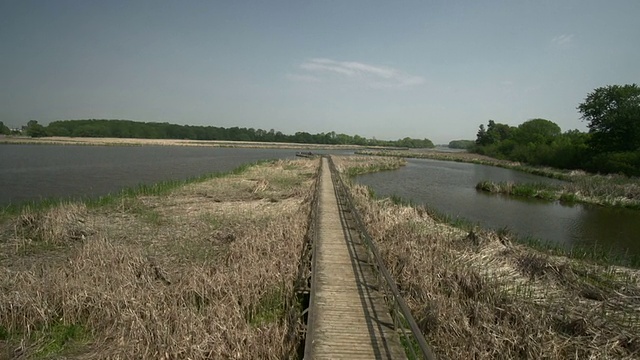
(478, 295)
(204, 271)
(604, 190)
(463, 156)
(366, 164)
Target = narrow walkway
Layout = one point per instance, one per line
(350, 318)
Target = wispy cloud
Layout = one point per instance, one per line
(562, 40)
(370, 75)
(304, 78)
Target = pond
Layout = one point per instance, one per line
(34, 172)
(449, 187)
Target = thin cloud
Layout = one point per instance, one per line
(371, 75)
(562, 40)
(303, 78)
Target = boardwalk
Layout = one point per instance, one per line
(349, 317)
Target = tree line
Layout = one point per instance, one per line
(612, 144)
(155, 130)
(4, 129)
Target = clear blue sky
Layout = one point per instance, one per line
(384, 69)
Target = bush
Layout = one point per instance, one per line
(627, 163)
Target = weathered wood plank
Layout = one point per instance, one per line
(351, 320)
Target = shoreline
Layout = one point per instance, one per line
(170, 142)
(478, 293)
(152, 270)
(224, 249)
(615, 191)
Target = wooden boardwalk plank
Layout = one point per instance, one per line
(351, 320)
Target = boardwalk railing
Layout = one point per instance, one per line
(313, 241)
(414, 342)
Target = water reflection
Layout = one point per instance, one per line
(32, 172)
(449, 187)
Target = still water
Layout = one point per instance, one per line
(449, 187)
(33, 172)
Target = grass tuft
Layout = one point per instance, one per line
(161, 268)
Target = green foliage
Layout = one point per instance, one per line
(627, 163)
(413, 143)
(4, 129)
(494, 133)
(59, 338)
(613, 113)
(530, 190)
(461, 144)
(271, 308)
(35, 130)
(153, 130)
(568, 198)
(611, 146)
(536, 131)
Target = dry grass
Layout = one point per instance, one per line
(462, 156)
(207, 271)
(607, 190)
(476, 295)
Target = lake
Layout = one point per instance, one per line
(34, 172)
(449, 187)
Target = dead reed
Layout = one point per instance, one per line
(206, 271)
(477, 295)
(607, 190)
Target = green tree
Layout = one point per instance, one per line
(4, 129)
(494, 133)
(613, 113)
(536, 131)
(461, 144)
(35, 130)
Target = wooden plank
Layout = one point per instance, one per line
(351, 320)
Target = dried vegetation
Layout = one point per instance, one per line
(206, 271)
(606, 190)
(477, 295)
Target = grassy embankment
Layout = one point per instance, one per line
(478, 295)
(57, 140)
(200, 270)
(579, 186)
(604, 190)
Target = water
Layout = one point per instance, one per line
(449, 187)
(33, 172)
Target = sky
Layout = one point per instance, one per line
(379, 69)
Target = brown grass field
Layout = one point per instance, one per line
(205, 272)
(477, 295)
(208, 271)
